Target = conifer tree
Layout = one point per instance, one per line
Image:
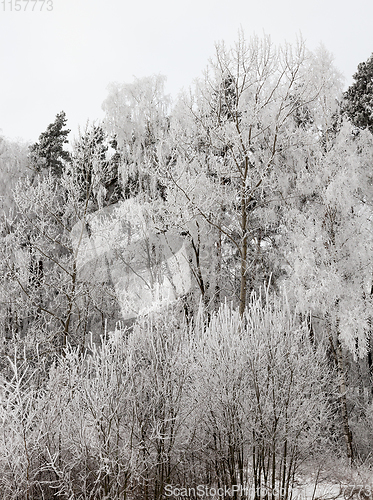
(358, 100)
(49, 153)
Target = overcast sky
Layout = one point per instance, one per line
(64, 58)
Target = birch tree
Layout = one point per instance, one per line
(136, 117)
(328, 244)
(230, 138)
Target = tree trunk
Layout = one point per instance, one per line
(243, 246)
(370, 367)
(343, 401)
(218, 266)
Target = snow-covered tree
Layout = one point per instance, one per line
(95, 168)
(136, 116)
(231, 140)
(327, 242)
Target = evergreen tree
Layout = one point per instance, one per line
(49, 152)
(358, 100)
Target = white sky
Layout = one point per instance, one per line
(64, 59)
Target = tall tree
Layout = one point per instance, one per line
(327, 245)
(358, 99)
(231, 137)
(50, 153)
(136, 116)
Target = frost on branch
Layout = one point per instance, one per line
(147, 269)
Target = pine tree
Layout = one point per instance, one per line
(358, 99)
(49, 152)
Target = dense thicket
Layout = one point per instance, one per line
(267, 178)
(242, 400)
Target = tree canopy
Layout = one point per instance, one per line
(358, 99)
(49, 153)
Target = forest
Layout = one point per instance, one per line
(219, 343)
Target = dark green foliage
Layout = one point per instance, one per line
(49, 152)
(358, 100)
